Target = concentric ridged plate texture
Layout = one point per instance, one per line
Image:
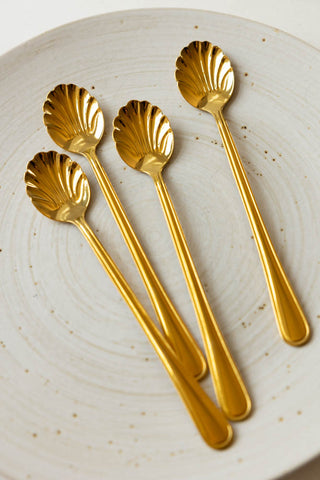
(82, 394)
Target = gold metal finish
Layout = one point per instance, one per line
(144, 140)
(60, 190)
(75, 122)
(206, 80)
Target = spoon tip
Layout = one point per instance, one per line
(57, 186)
(143, 136)
(204, 75)
(73, 118)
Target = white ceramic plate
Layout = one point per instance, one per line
(82, 394)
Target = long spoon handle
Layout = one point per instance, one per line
(230, 389)
(292, 324)
(209, 420)
(174, 328)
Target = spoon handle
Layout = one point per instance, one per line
(292, 324)
(174, 328)
(209, 420)
(230, 389)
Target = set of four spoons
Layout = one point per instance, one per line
(144, 139)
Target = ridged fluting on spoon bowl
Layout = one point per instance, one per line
(141, 129)
(53, 181)
(203, 69)
(72, 114)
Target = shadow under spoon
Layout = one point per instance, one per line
(59, 189)
(144, 140)
(206, 80)
(75, 122)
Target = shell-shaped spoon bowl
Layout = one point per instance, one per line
(57, 186)
(143, 136)
(73, 118)
(205, 76)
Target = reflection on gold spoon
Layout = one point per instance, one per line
(206, 80)
(144, 140)
(75, 122)
(60, 190)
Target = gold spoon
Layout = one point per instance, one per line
(206, 80)
(60, 190)
(144, 140)
(75, 122)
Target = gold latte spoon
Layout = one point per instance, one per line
(60, 190)
(75, 122)
(206, 80)
(144, 140)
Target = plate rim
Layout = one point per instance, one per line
(159, 9)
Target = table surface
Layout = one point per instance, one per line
(20, 21)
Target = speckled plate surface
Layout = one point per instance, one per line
(82, 394)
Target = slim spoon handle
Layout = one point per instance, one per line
(209, 420)
(292, 324)
(174, 328)
(230, 389)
